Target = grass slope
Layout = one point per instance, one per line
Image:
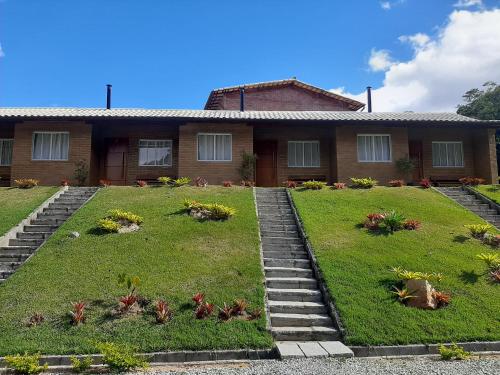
(173, 254)
(356, 265)
(491, 191)
(17, 204)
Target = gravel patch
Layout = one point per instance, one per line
(361, 366)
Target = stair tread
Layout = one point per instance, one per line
(299, 316)
(305, 329)
(296, 303)
(292, 291)
(295, 269)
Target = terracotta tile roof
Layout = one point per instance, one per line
(216, 95)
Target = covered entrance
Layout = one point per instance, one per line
(115, 165)
(266, 174)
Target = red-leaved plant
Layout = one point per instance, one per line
(247, 183)
(472, 181)
(65, 182)
(78, 313)
(200, 182)
(425, 183)
(204, 310)
(198, 298)
(225, 312)
(373, 221)
(396, 183)
(411, 224)
(442, 299)
(290, 184)
(127, 301)
(163, 312)
(338, 185)
(141, 183)
(104, 183)
(255, 314)
(239, 306)
(227, 183)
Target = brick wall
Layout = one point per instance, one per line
(290, 98)
(6, 132)
(347, 155)
(214, 171)
(49, 172)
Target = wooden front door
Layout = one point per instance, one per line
(416, 152)
(266, 173)
(116, 161)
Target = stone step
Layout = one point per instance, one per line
(282, 212)
(295, 263)
(274, 207)
(282, 247)
(305, 333)
(25, 242)
(299, 295)
(5, 274)
(275, 233)
(291, 283)
(58, 206)
(483, 211)
(32, 236)
(288, 272)
(300, 320)
(296, 307)
(45, 215)
(276, 221)
(40, 228)
(16, 250)
(279, 254)
(58, 211)
(9, 266)
(53, 222)
(13, 257)
(492, 218)
(281, 241)
(278, 227)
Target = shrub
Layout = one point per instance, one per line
(239, 306)
(247, 183)
(80, 365)
(81, 172)
(200, 182)
(164, 180)
(25, 364)
(290, 184)
(363, 183)
(226, 312)
(131, 283)
(198, 298)
(78, 313)
(120, 358)
(402, 295)
(491, 239)
(453, 352)
(227, 183)
(442, 299)
(120, 215)
(411, 224)
(373, 221)
(26, 183)
(181, 181)
(495, 276)
(472, 181)
(478, 230)
(105, 183)
(163, 312)
(396, 183)
(255, 314)
(425, 183)
(339, 185)
(210, 211)
(108, 225)
(402, 274)
(247, 167)
(405, 166)
(313, 185)
(492, 260)
(141, 183)
(204, 310)
(65, 182)
(393, 221)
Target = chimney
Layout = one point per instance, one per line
(369, 95)
(108, 96)
(242, 98)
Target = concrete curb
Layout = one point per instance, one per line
(422, 349)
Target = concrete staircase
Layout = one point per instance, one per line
(472, 203)
(297, 311)
(40, 228)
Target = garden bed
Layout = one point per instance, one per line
(356, 264)
(174, 256)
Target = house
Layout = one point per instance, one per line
(298, 132)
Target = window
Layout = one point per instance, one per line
(303, 154)
(214, 147)
(50, 146)
(155, 153)
(6, 152)
(447, 154)
(374, 148)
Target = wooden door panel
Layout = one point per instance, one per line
(116, 161)
(415, 148)
(266, 166)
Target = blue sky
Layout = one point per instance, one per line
(170, 54)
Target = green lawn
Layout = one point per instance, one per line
(16, 204)
(491, 191)
(356, 265)
(173, 254)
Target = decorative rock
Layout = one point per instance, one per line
(74, 234)
(423, 292)
(129, 228)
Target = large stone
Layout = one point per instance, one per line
(423, 292)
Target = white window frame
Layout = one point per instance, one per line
(374, 161)
(155, 140)
(1, 146)
(215, 151)
(50, 152)
(303, 154)
(448, 166)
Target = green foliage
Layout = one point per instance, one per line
(492, 260)
(130, 282)
(80, 365)
(482, 104)
(164, 180)
(81, 172)
(405, 165)
(108, 225)
(120, 358)
(212, 211)
(118, 215)
(402, 274)
(25, 364)
(393, 221)
(478, 230)
(363, 183)
(403, 294)
(181, 181)
(247, 167)
(313, 185)
(453, 352)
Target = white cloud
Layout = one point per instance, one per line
(468, 3)
(386, 5)
(418, 40)
(464, 54)
(380, 60)
(2, 53)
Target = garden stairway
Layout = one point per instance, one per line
(39, 229)
(296, 307)
(472, 203)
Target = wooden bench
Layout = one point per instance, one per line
(301, 179)
(444, 181)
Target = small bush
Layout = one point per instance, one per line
(81, 172)
(120, 358)
(210, 211)
(26, 183)
(78, 313)
(363, 183)
(227, 183)
(402, 295)
(226, 312)
(108, 225)
(239, 306)
(204, 310)
(163, 312)
(453, 352)
(425, 183)
(141, 183)
(396, 183)
(472, 181)
(200, 182)
(181, 181)
(491, 239)
(80, 365)
(36, 319)
(105, 183)
(247, 183)
(313, 185)
(442, 299)
(255, 314)
(402, 274)
(478, 230)
(373, 221)
(393, 221)
(492, 260)
(164, 180)
(411, 224)
(65, 182)
(120, 215)
(198, 298)
(25, 364)
(290, 184)
(495, 276)
(339, 185)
